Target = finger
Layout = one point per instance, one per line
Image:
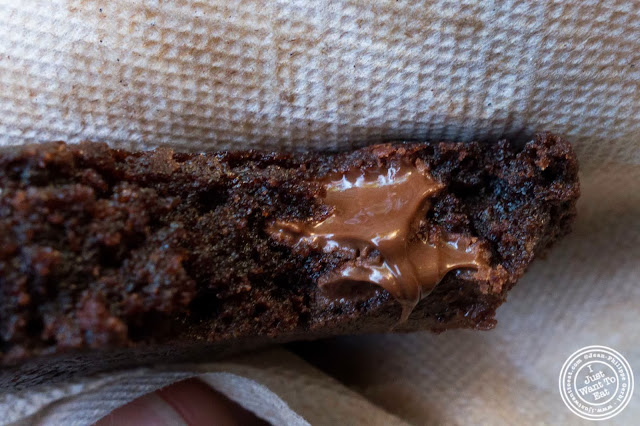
(190, 402)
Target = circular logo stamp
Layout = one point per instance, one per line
(596, 383)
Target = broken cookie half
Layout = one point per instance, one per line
(125, 258)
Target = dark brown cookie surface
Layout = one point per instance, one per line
(106, 250)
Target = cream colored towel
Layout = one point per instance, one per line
(305, 74)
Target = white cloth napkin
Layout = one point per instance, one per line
(326, 74)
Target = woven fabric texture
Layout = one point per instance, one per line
(334, 74)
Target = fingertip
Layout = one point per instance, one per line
(190, 402)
